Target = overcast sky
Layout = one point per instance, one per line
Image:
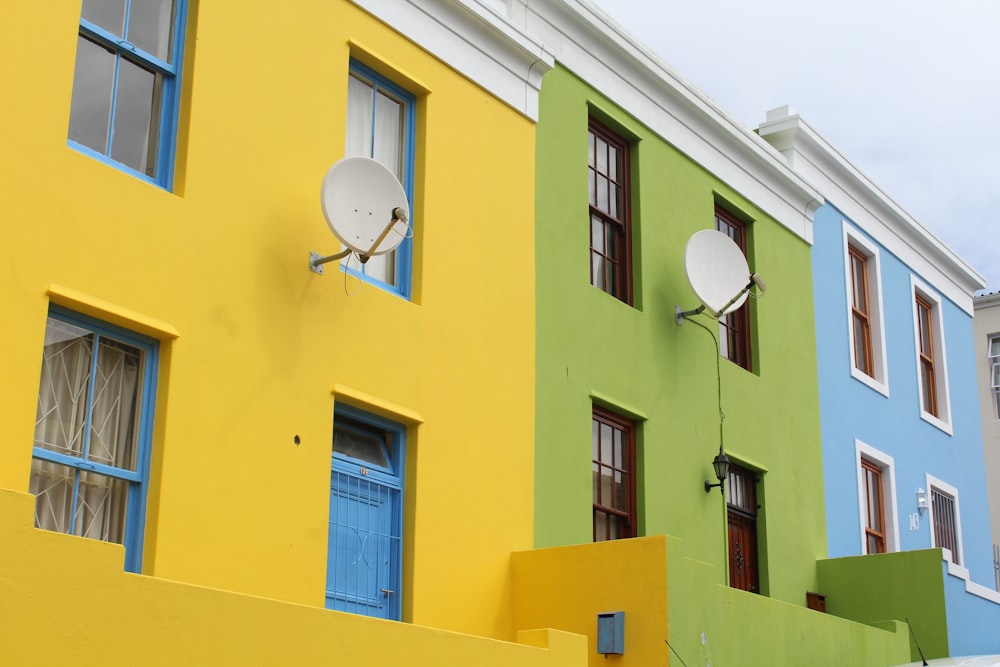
(907, 90)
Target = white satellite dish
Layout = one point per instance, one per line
(365, 207)
(716, 270)
(718, 274)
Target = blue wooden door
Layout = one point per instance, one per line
(365, 526)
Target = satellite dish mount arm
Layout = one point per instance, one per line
(316, 261)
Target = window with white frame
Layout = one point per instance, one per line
(126, 84)
(864, 311)
(93, 428)
(932, 374)
(381, 121)
(945, 519)
(994, 357)
(876, 500)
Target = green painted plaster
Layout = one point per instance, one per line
(592, 345)
(712, 624)
(905, 585)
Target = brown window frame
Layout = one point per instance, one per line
(741, 519)
(610, 270)
(925, 352)
(861, 313)
(944, 506)
(872, 475)
(734, 328)
(627, 469)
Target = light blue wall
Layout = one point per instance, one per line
(851, 410)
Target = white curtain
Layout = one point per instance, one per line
(62, 422)
(375, 130)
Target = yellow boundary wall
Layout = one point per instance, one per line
(67, 601)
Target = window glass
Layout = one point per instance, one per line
(610, 228)
(380, 116)
(125, 84)
(613, 471)
(91, 443)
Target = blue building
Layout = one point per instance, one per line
(899, 409)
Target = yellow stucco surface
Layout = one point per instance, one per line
(567, 587)
(252, 344)
(52, 616)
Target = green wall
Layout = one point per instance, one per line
(636, 360)
(903, 585)
(711, 624)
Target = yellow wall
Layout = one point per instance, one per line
(567, 587)
(261, 342)
(53, 616)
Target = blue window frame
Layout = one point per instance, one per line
(93, 429)
(126, 85)
(381, 122)
(364, 562)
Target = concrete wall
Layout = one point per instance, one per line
(66, 601)
(255, 348)
(594, 348)
(891, 423)
(985, 323)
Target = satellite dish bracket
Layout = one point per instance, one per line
(316, 261)
(755, 279)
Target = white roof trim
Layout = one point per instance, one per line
(474, 39)
(987, 300)
(589, 43)
(870, 208)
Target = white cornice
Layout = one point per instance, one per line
(987, 300)
(871, 209)
(590, 44)
(472, 37)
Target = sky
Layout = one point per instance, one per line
(907, 90)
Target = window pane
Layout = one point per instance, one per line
(52, 486)
(602, 156)
(360, 109)
(117, 404)
(597, 270)
(591, 151)
(93, 83)
(149, 26)
(100, 507)
(389, 134)
(602, 193)
(61, 418)
(614, 163)
(134, 125)
(860, 344)
(109, 14)
(366, 446)
(995, 346)
(607, 441)
(597, 234)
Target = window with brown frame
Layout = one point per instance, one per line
(925, 332)
(861, 312)
(613, 476)
(610, 225)
(734, 328)
(741, 506)
(945, 524)
(874, 507)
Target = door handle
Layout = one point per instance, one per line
(386, 592)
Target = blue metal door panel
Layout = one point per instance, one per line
(364, 545)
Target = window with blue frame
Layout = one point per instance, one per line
(381, 119)
(93, 429)
(126, 84)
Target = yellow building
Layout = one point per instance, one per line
(187, 400)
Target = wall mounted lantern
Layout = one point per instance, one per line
(721, 465)
(921, 500)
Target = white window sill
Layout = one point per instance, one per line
(870, 382)
(935, 422)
